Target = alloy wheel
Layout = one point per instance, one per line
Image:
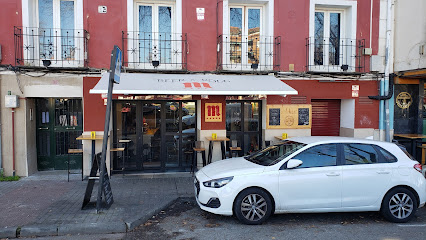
(401, 205)
(254, 207)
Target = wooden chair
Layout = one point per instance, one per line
(118, 150)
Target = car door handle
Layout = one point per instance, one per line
(383, 172)
(333, 174)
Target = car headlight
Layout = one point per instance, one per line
(217, 183)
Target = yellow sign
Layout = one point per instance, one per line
(92, 134)
(213, 112)
(282, 116)
(404, 100)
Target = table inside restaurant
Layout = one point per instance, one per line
(413, 139)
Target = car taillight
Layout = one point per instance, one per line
(418, 167)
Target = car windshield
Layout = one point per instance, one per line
(275, 153)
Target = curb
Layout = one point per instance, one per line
(79, 228)
(8, 232)
(133, 224)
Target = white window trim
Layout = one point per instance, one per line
(132, 26)
(348, 22)
(266, 25)
(30, 19)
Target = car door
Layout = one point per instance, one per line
(316, 184)
(365, 175)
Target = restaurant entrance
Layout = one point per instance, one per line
(157, 135)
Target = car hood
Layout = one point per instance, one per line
(231, 167)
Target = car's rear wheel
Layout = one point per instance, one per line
(253, 206)
(399, 205)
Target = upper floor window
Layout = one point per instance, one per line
(332, 44)
(52, 32)
(247, 42)
(154, 39)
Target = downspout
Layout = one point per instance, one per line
(386, 84)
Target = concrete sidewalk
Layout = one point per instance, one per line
(46, 204)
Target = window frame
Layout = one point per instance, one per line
(266, 29)
(133, 28)
(348, 26)
(30, 19)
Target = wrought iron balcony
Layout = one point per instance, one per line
(335, 55)
(44, 47)
(152, 50)
(248, 53)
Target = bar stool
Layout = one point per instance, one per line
(234, 148)
(199, 148)
(125, 142)
(72, 151)
(118, 150)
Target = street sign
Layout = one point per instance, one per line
(116, 65)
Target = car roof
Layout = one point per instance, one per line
(332, 139)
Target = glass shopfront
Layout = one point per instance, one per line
(157, 135)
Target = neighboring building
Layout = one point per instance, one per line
(190, 69)
(409, 66)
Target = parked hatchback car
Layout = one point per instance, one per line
(314, 174)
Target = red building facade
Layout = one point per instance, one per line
(320, 48)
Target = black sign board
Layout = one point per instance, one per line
(303, 116)
(106, 188)
(274, 117)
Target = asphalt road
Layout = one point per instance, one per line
(184, 220)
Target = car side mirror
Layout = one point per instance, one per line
(293, 163)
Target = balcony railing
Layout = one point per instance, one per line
(248, 53)
(152, 50)
(44, 47)
(335, 55)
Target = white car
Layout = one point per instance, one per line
(314, 174)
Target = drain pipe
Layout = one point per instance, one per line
(13, 140)
(386, 84)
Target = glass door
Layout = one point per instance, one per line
(243, 123)
(161, 135)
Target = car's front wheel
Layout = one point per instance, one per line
(253, 206)
(399, 205)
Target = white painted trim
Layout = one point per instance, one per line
(266, 22)
(349, 20)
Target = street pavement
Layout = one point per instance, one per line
(45, 204)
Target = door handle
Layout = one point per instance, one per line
(383, 172)
(69, 128)
(43, 128)
(333, 174)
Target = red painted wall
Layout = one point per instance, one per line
(366, 115)
(10, 16)
(104, 29)
(292, 24)
(202, 35)
(213, 125)
(93, 104)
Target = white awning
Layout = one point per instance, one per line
(194, 84)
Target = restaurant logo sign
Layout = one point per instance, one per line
(404, 100)
(213, 112)
(197, 85)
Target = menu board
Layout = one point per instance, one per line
(303, 116)
(289, 116)
(274, 116)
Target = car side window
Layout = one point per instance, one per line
(387, 156)
(318, 156)
(360, 154)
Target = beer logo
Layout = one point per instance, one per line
(404, 100)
